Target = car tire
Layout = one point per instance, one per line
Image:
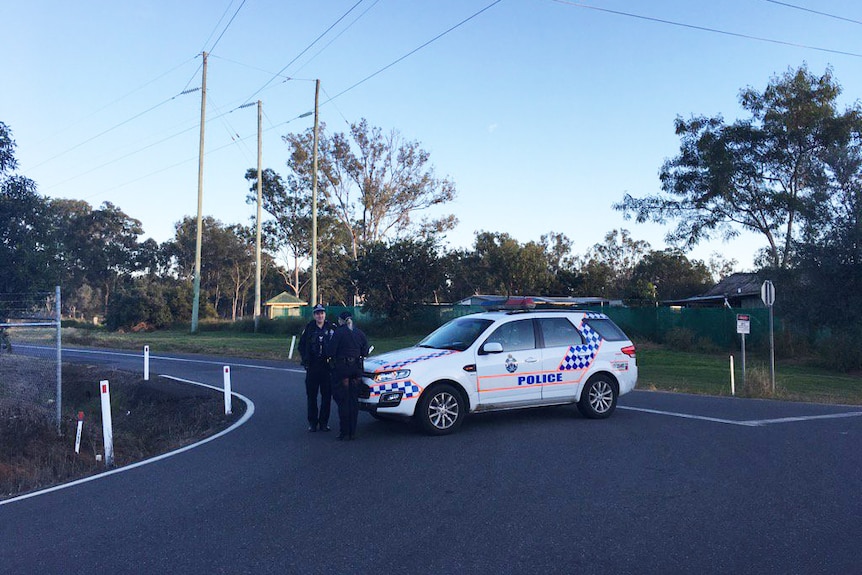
(599, 397)
(441, 410)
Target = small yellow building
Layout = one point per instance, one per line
(284, 305)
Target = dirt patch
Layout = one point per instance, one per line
(149, 418)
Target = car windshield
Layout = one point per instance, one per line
(458, 334)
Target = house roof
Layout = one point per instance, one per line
(733, 287)
(285, 298)
(738, 284)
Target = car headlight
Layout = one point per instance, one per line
(392, 375)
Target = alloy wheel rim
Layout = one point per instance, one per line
(601, 396)
(443, 411)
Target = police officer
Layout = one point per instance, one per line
(318, 375)
(347, 347)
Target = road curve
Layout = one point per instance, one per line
(670, 483)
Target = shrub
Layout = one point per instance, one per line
(680, 339)
(758, 382)
(841, 350)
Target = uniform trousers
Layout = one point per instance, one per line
(345, 390)
(318, 380)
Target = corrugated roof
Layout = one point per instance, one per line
(285, 298)
(738, 284)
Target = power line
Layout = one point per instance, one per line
(249, 66)
(121, 98)
(227, 8)
(337, 36)
(181, 162)
(815, 11)
(705, 29)
(112, 128)
(408, 54)
(226, 26)
(325, 32)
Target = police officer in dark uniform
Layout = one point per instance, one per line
(347, 347)
(318, 375)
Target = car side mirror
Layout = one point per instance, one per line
(492, 347)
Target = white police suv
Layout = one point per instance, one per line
(503, 360)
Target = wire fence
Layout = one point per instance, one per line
(31, 355)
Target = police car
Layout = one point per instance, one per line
(503, 360)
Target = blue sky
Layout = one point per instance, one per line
(543, 113)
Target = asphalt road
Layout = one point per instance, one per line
(669, 484)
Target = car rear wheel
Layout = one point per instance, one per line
(599, 397)
(441, 410)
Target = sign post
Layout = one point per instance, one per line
(767, 294)
(743, 327)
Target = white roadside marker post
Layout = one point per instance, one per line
(732, 380)
(146, 363)
(78, 434)
(227, 410)
(292, 342)
(107, 425)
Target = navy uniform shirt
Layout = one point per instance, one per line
(346, 342)
(312, 343)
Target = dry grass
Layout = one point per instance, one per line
(149, 418)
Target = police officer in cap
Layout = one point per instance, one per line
(347, 347)
(318, 375)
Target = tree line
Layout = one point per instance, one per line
(789, 171)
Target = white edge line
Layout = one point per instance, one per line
(687, 416)
(807, 418)
(249, 411)
(749, 423)
(163, 358)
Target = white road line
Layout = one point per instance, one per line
(163, 358)
(249, 411)
(808, 418)
(749, 423)
(688, 416)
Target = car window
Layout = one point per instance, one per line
(458, 334)
(559, 332)
(515, 335)
(606, 329)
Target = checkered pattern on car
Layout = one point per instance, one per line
(581, 356)
(405, 362)
(409, 388)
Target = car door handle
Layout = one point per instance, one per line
(531, 360)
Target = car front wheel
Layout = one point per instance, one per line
(599, 397)
(441, 410)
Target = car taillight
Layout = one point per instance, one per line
(629, 350)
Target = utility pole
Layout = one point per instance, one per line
(197, 288)
(314, 200)
(257, 240)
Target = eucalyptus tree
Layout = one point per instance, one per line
(374, 184)
(767, 173)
